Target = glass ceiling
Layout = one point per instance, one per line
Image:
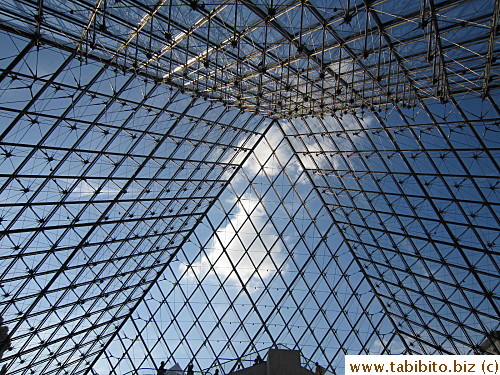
(201, 181)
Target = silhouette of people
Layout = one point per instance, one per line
(190, 369)
(319, 370)
(161, 370)
(4, 343)
(4, 338)
(216, 372)
(258, 360)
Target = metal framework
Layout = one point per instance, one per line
(197, 181)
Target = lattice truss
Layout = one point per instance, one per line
(195, 181)
(281, 58)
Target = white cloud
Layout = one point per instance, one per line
(85, 188)
(228, 250)
(321, 149)
(345, 69)
(263, 153)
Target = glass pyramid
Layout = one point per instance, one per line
(194, 181)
